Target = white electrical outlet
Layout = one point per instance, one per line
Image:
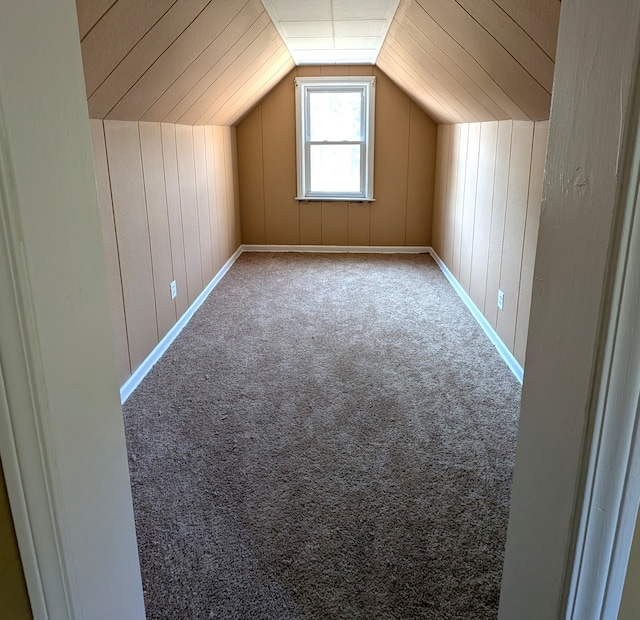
(174, 290)
(500, 300)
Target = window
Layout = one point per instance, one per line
(335, 120)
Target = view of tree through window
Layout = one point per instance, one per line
(335, 121)
(335, 117)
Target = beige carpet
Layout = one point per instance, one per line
(332, 436)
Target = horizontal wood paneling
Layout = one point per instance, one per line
(204, 62)
(404, 166)
(486, 213)
(486, 59)
(172, 186)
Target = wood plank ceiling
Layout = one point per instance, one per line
(208, 62)
(193, 62)
(474, 60)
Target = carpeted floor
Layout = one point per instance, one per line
(332, 436)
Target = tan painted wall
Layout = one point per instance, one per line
(486, 212)
(169, 212)
(404, 165)
(13, 590)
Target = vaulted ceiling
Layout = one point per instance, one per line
(210, 61)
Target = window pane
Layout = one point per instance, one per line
(335, 116)
(335, 168)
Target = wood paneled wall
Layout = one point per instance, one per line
(486, 213)
(404, 173)
(210, 61)
(474, 60)
(202, 62)
(169, 211)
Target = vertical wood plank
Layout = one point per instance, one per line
(282, 215)
(499, 208)
(450, 198)
(110, 244)
(221, 194)
(540, 136)
(358, 223)
(388, 213)
(174, 208)
(440, 190)
(469, 205)
(334, 223)
(461, 180)
(130, 212)
(236, 187)
(202, 197)
(482, 222)
(153, 170)
(212, 185)
(421, 177)
(231, 190)
(189, 202)
(519, 175)
(310, 223)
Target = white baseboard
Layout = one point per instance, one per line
(359, 249)
(141, 371)
(506, 355)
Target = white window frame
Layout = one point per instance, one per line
(306, 85)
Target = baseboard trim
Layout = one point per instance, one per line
(141, 371)
(339, 249)
(504, 352)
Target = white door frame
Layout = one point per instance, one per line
(612, 487)
(575, 491)
(29, 460)
(62, 438)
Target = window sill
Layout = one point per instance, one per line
(332, 199)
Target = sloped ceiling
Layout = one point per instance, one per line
(195, 62)
(474, 60)
(210, 61)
